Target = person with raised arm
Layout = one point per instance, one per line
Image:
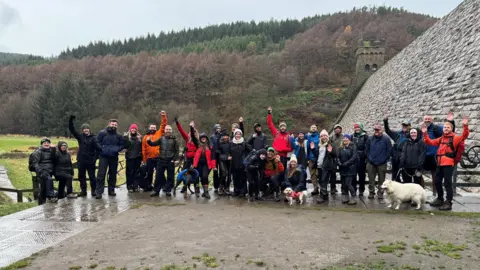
(191, 145)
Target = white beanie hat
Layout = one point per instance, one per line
(293, 157)
(324, 132)
(238, 130)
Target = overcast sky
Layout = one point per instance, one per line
(46, 27)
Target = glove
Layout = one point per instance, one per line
(72, 117)
(176, 119)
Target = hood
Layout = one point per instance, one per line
(203, 135)
(262, 151)
(215, 127)
(338, 126)
(60, 143)
(362, 131)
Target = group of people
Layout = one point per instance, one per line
(257, 169)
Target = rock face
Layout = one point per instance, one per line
(438, 72)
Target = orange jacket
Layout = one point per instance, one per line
(444, 147)
(153, 151)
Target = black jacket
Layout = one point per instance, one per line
(223, 150)
(87, 150)
(43, 160)
(63, 162)
(110, 143)
(330, 160)
(297, 181)
(168, 147)
(360, 141)
(256, 163)
(133, 144)
(257, 141)
(347, 160)
(413, 154)
(239, 152)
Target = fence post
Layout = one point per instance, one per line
(19, 196)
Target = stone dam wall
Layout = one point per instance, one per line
(437, 73)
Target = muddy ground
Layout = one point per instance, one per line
(154, 237)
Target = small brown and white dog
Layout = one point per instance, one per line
(292, 195)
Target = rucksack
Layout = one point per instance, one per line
(249, 157)
(452, 154)
(460, 150)
(31, 159)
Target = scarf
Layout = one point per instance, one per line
(322, 150)
(235, 141)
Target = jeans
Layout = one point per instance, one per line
(151, 165)
(110, 163)
(161, 181)
(312, 166)
(373, 171)
(347, 185)
(326, 178)
(361, 169)
(133, 165)
(64, 180)
(83, 168)
(444, 174)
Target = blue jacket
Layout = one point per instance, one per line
(313, 137)
(181, 176)
(379, 150)
(110, 143)
(434, 132)
(399, 138)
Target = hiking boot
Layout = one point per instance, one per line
(360, 194)
(322, 199)
(437, 203)
(221, 191)
(371, 196)
(447, 206)
(380, 196)
(168, 194)
(197, 190)
(52, 200)
(184, 189)
(352, 202)
(315, 192)
(206, 195)
(154, 194)
(276, 197)
(82, 194)
(113, 194)
(345, 199)
(333, 191)
(130, 190)
(71, 196)
(251, 199)
(215, 190)
(98, 196)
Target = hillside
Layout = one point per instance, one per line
(304, 79)
(20, 59)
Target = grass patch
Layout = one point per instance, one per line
(92, 266)
(175, 267)
(257, 263)
(392, 247)
(381, 265)
(447, 249)
(75, 267)
(209, 261)
(18, 265)
(7, 209)
(4, 199)
(110, 268)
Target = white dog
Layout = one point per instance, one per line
(291, 195)
(398, 193)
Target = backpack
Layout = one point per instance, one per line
(31, 159)
(249, 157)
(452, 154)
(460, 150)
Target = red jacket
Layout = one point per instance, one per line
(189, 143)
(273, 167)
(208, 155)
(281, 141)
(444, 147)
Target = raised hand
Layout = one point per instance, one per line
(269, 109)
(465, 121)
(240, 119)
(162, 113)
(385, 117)
(312, 145)
(72, 117)
(192, 124)
(329, 148)
(450, 116)
(424, 128)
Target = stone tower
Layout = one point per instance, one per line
(370, 56)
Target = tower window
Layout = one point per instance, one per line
(374, 67)
(367, 68)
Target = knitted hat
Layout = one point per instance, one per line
(323, 132)
(348, 136)
(217, 126)
(133, 126)
(293, 157)
(270, 149)
(356, 125)
(301, 132)
(282, 123)
(45, 139)
(224, 133)
(238, 130)
(85, 126)
(256, 125)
